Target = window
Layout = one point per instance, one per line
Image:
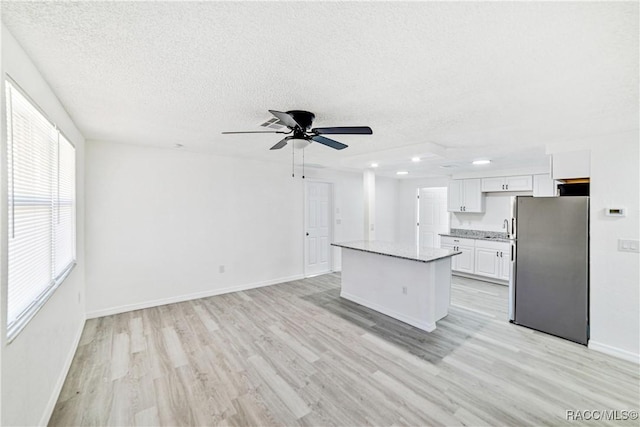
(41, 208)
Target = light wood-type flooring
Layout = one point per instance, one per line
(296, 354)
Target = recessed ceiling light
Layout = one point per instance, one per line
(402, 173)
(374, 165)
(415, 159)
(481, 162)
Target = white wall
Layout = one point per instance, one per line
(35, 364)
(615, 276)
(386, 208)
(161, 222)
(348, 207)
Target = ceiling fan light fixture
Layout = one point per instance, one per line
(300, 143)
(481, 162)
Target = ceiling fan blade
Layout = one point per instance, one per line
(255, 131)
(344, 130)
(280, 144)
(285, 118)
(329, 142)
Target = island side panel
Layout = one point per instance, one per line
(442, 271)
(377, 282)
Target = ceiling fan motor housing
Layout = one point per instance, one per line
(303, 118)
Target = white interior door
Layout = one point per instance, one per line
(433, 216)
(318, 227)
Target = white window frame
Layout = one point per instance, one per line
(18, 324)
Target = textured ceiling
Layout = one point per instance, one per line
(447, 81)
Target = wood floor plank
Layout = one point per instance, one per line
(287, 394)
(297, 354)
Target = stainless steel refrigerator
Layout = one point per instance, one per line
(549, 283)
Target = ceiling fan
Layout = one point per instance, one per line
(299, 124)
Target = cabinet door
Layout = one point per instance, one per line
(464, 263)
(544, 186)
(519, 183)
(454, 196)
(487, 262)
(572, 164)
(505, 264)
(473, 201)
(493, 184)
(454, 259)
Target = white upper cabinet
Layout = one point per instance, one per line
(507, 183)
(465, 195)
(571, 165)
(455, 195)
(493, 184)
(544, 186)
(473, 197)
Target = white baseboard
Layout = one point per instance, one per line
(51, 404)
(188, 297)
(614, 351)
(420, 324)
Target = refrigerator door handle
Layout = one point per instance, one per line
(512, 284)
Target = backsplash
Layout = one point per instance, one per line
(478, 233)
(497, 209)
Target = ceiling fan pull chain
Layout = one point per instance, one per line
(293, 174)
(303, 162)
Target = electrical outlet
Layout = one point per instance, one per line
(221, 269)
(404, 290)
(626, 245)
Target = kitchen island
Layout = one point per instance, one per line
(406, 282)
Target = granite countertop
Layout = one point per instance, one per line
(398, 250)
(494, 236)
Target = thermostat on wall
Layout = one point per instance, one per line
(615, 211)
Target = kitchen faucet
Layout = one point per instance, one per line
(505, 225)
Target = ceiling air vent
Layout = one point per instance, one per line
(273, 123)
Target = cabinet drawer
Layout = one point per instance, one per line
(495, 246)
(457, 241)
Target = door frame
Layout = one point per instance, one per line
(304, 225)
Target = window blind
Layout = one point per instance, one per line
(41, 205)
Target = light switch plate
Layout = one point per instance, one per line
(626, 245)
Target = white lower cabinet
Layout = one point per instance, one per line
(464, 261)
(487, 262)
(480, 257)
(505, 264)
(492, 259)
